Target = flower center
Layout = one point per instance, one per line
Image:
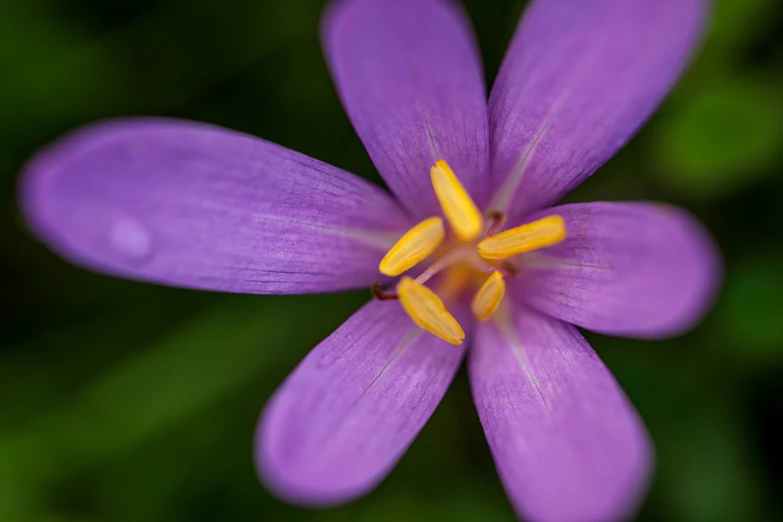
(463, 262)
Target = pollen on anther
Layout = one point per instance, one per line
(541, 233)
(462, 213)
(489, 297)
(413, 247)
(428, 311)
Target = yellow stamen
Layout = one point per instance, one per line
(489, 296)
(542, 233)
(415, 245)
(427, 310)
(462, 213)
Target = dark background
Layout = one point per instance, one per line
(122, 401)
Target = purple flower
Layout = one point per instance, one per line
(197, 206)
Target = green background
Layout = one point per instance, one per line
(121, 401)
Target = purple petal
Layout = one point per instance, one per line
(579, 79)
(410, 77)
(197, 206)
(566, 442)
(637, 269)
(352, 407)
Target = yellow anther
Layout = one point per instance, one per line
(542, 233)
(463, 215)
(415, 245)
(427, 310)
(489, 296)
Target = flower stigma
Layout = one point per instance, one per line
(463, 262)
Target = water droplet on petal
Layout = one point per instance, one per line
(130, 239)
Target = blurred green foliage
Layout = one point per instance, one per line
(125, 402)
(725, 137)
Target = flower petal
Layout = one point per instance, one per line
(349, 411)
(636, 269)
(578, 80)
(197, 206)
(566, 441)
(410, 77)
